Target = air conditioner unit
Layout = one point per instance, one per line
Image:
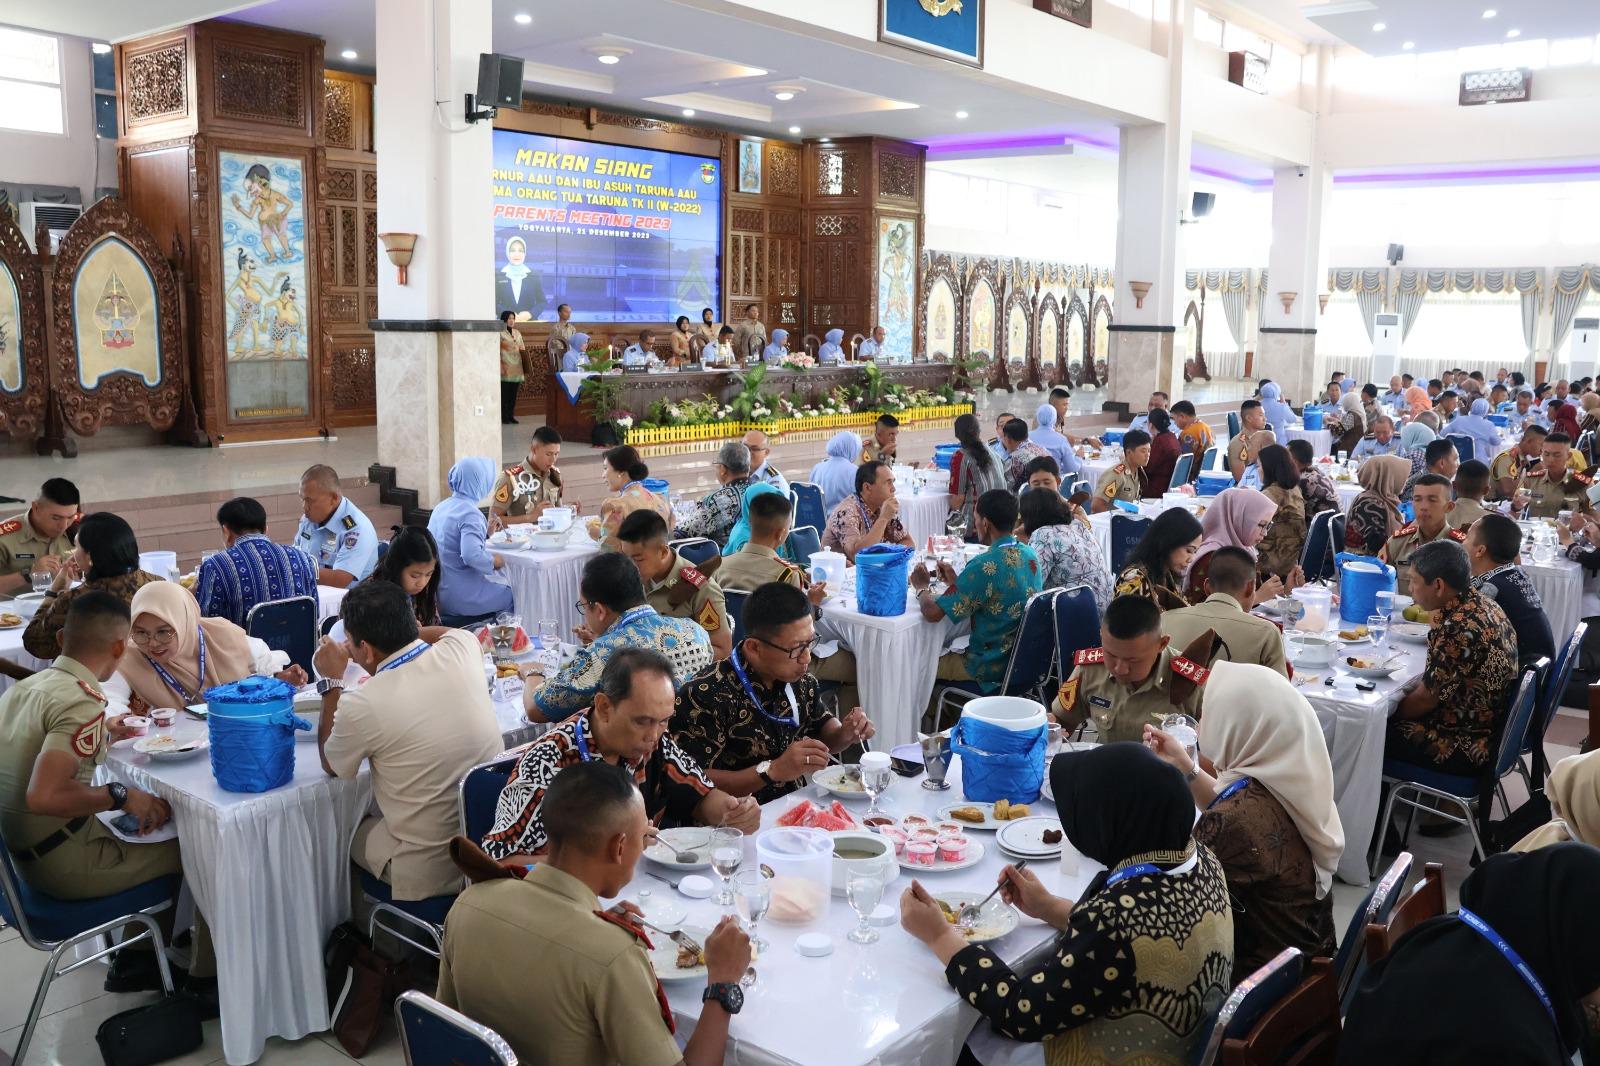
(1385, 345)
(1585, 347)
(57, 218)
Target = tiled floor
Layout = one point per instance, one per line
(77, 1005)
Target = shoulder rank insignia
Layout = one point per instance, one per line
(92, 692)
(708, 618)
(1405, 530)
(86, 741)
(1190, 670)
(692, 576)
(513, 471)
(1582, 479)
(10, 526)
(1457, 535)
(349, 522)
(1089, 656)
(621, 922)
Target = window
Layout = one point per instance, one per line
(105, 92)
(30, 82)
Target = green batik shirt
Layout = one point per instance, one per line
(992, 591)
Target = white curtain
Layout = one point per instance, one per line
(1569, 292)
(1370, 303)
(1233, 309)
(1530, 328)
(1409, 304)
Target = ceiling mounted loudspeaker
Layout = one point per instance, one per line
(1396, 253)
(499, 85)
(1201, 203)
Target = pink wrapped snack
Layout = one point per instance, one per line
(950, 827)
(914, 820)
(897, 836)
(952, 848)
(920, 853)
(927, 833)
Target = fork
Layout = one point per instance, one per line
(967, 917)
(678, 936)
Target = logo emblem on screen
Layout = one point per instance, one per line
(708, 172)
(941, 7)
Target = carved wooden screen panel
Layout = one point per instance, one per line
(940, 310)
(348, 211)
(24, 377)
(1018, 340)
(1047, 350)
(119, 349)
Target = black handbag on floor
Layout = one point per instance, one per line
(145, 1036)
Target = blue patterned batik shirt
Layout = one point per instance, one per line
(254, 570)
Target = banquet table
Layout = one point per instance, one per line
(923, 513)
(271, 873)
(1321, 439)
(544, 584)
(881, 1004)
(1560, 583)
(11, 639)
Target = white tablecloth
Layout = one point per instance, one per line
(329, 600)
(1560, 585)
(896, 659)
(883, 1004)
(1321, 439)
(544, 585)
(270, 871)
(11, 639)
(923, 514)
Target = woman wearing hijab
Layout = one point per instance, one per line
(1417, 401)
(1164, 452)
(1590, 418)
(466, 594)
(739, 536)
(974, 470)
(1414, 441)
(777, 349)
(1563, 419)
(1237, 518)
(1047, 437)
(1269, 814)
(1484, 433)
(1278, 414)
(577, 353)
(1278, 554)
(1509, 979)
(1574, 791)
(1374, 514)
(1352, 424)
(832, 350)
(679, 338)
(1144, 958)
(1155, 567)
(174, 655)
(836, 475)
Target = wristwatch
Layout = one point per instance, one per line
(328, 684)
(762, 769)
(727, 993)
(119, 794)
(1194, 772)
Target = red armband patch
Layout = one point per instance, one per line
(1089, 656)
(1188, 668)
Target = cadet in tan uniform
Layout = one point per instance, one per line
(750, 335)
(1554, 487)
(1252, 420)
(1241, 637)
(1431, 504)
(562, 981)
(522, 492)
(1471, 482)
(1508, 467)
(881, 445)
(1125, 481)
(1133, 679)
(53, 735)
(38, 538)
(673, 587)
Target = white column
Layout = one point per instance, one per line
(436, 349)
(1152, 195)
(1294, 265)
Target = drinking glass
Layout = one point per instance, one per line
(864, 889)
(727, 852)
(1384, 604)
(1185, 731)
(875, 783)
(1378, 626)
(42, 580)
(754, 891)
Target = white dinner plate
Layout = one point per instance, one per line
(842, 781)
(1025, 837)
(168, 748)
(664, 955)
(974, 856)
(989, 821)
(1375, 673)
(690, 839)
(995, 920)
(1410, 632)
(18, 624)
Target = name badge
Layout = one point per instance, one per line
(1100, 701)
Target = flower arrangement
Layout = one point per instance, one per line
(798, 361)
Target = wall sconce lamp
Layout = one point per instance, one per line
(398, 247)
(1140, 290)
(1288, 299)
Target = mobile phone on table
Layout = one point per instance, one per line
(1361, 686)
(127, 824)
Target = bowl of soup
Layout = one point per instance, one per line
(855, 849)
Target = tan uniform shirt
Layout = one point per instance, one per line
(1407, 539)
(531, 960)
(755, 565)
(748, 334)
(1120, 712)
(563, 330)
(422, 724)
(688, 592)
(1551, 498)
(872, 450)
(1510, 463)
(1245, 637)
(1466, 512)
(1236, 460)
(21, 545)
(521, 488)
(61, 708)
(1120, 483)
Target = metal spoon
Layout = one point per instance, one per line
(967, 917)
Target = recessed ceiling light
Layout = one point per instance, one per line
(785, 95)
(1513, 33)
(1490, 13)
(610, 55)
(522, 18)
(688, 112)
(961, 114)
(1379, 27)
(100, 48)
(794, 129)
(1409, 45)
(348, 53)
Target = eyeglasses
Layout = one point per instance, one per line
(583, 606)
(795, 652)
(160, 636)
